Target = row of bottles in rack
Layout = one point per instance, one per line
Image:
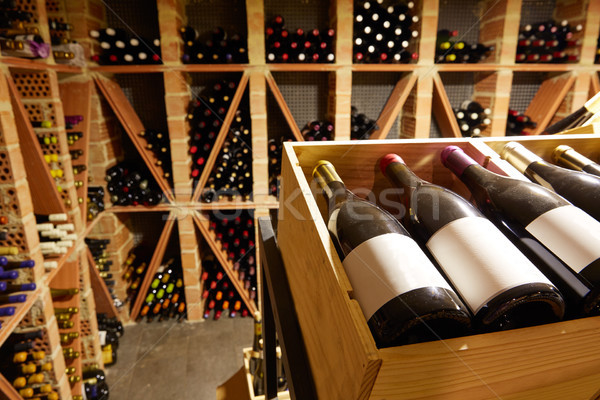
(532, 245)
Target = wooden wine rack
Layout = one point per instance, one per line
(411, 101)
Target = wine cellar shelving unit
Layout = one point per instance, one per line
(117, 102)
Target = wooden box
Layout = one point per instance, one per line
(554, 361)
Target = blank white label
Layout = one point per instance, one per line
(480, 261)
(569, 233)
(386, 266)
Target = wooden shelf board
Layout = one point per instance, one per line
(10, 323)
(102, 298)
(131, 69)
(213, 67)
(202, 224)
(27, 64)
(129, 209)
(7, 391)
(301, 67)
(393, 105)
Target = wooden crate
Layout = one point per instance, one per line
(553, 361)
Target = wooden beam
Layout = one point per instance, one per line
(442, 109)
(393, 105)
(548, 98)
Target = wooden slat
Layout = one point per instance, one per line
(7, 391)
(157, 257)
(133, 126)
(76, 97)
(102, 298)
(442, 109)
(547, 100)
(285, 110)
(393, 105)
(202, 224)
(44, 194)
(216, 150)
(10, 323)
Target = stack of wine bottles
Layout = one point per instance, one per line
(384, 31)
(232, 175)
(12, 289)
(214, 47)
(49, 144)
(65, 50)
(17, 37)
(135, 267)
(120, 48)
(129, 184)
(219, 295)
(318, 131)
(25, 366)
(275, 148)
(95, 201)
(472, 118)
(548, 42)
(110, 330)
(98, 249)
(205, 117)
(298, 46)
(517, 122)
(235, 232)
(158, 142)
(361, 126)
(449, 50)
(94, 381)
(57, 235)
(165, 298)
(67, 328)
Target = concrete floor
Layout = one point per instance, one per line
(182, 361)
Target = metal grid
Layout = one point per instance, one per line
(524, 87)
(459, 86)
(370, 92)
(137, 17)
(305, 93)
(460, 15)
(277, 126)
(305, 14)
(146, 93)
(205, 15)
(533, 11)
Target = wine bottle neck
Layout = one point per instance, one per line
(401, 175)
(519, 156)
(566, 156)
(333, 187)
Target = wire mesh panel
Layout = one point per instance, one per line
(146, 93)
(205, 15)
(459, 86)
(370, 92)
(138, 17)
(305, 14)
(146, 227)
(305, 94)
(525, 86)
(460, 15)
(533, 11)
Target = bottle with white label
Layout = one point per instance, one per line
(501, 287)
(564, 240)
(404, 298)
(580, 188)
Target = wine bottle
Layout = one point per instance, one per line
(576, 118)
(55, 293)
(542, 224)
(567, 157)
(580, 188)
(510, 291)
(388, 271)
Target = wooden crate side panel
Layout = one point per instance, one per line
(344, 360)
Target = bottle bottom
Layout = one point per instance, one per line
(421, 315)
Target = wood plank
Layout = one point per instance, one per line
(260, 137)
(393, 105)
(223, 132)
(255, 21)
(133, 126)
(44, 194)
(10, 323)
(442, 109)
(76, 98)
(155, 261)
(202, 224)
(285, 110)
(102, 298)
(547, 100)
(7, 391)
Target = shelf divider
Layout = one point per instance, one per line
(104, 303)
(393, 105)
(547, 100)
(442, 109)
(133, 126)
(285, 110)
